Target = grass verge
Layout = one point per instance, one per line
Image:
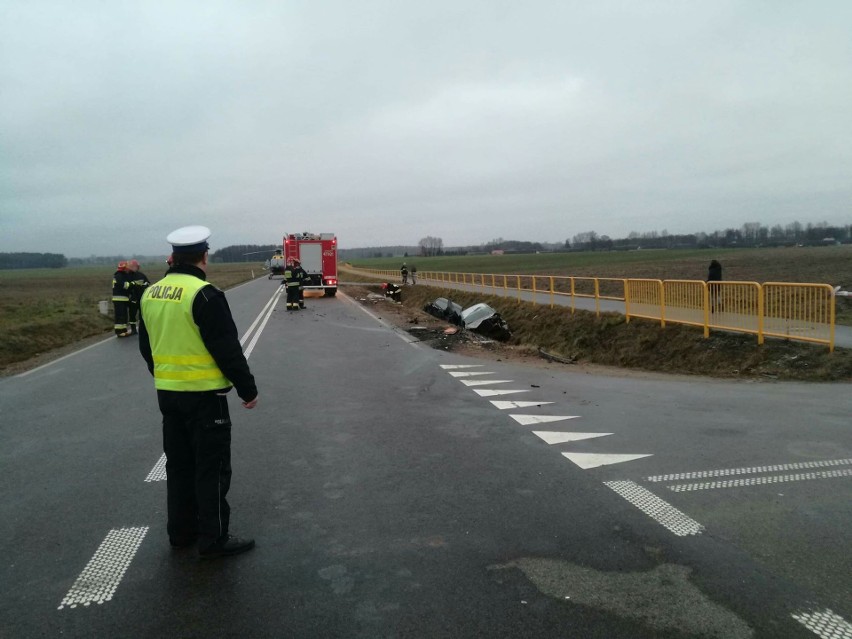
(610, 340)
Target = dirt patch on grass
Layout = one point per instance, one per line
(609, 340)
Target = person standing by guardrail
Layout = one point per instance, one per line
(404, 272)
(714, 274)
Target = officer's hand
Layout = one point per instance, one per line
(250, 404)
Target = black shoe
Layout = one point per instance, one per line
(229, 546)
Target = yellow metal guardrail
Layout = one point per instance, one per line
(796, 311)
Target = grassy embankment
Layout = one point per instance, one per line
(610, 340)
(45, 309)
(823, 265)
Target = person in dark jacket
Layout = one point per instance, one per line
(404, 272)
(121, 299)
(294, 278)
(189, 341)
(714, 274)
(138, 283)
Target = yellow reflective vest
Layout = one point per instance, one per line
(181, 361)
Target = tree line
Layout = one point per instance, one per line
(32, 260)
(750, 234)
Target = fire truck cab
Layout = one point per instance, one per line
(317, 253)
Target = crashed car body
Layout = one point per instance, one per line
(444, 309)
(484, 320)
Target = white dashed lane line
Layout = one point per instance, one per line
(751, 470)
(825, 624)
(761, 481)
(102, 575)
(657, 509)
(158, 472)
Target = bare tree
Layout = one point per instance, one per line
(430, 246)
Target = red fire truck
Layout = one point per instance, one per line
(317, 253)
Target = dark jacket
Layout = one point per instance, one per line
(121, 284)
(212, 314)
(714, 272)
(138, 283)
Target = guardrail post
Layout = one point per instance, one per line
(533, 290)
(627, 301)
(572, 296)
(597, 298)
(519, 287)
(760, 314)
(706, 295)
(551, 291)
(662, 304)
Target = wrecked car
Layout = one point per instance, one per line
(444, 309)
(479, 318)
(484, 320)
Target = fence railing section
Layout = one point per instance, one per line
(802, 312)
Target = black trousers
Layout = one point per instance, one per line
(293, 296)
(121, 309)
(197, 443)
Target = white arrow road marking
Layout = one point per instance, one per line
(505, 405)
(451, 366)
(484, 382)
(472, 374)
(593, 460)
(526, 420)
(492, 393)
(553, 437)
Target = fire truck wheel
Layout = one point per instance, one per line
(330, 292)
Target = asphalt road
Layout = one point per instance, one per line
(393, 494)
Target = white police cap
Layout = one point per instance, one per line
(189, 239)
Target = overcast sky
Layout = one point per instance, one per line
(387, 121)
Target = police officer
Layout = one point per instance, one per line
(121, 299)
(293, 279)
(138, 283)
(190, 343)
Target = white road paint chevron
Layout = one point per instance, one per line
(454, 366)
(494, 393)
(470, 374)
(593, 460)
(503, 405)
(484, 382)
(526, 420)
(555, 437)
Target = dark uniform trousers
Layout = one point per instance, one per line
(197, 443)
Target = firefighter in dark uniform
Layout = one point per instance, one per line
(404, 272)
(302, 274)
(121, 299)
(293, 279)
(138, 283)
(190, 343)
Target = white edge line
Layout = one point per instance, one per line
(257, 333)
(401, 335)
(108, 339)
(38, 368)
(272, 300)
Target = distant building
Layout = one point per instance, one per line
(498, 252)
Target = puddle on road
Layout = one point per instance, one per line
(662, 598)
